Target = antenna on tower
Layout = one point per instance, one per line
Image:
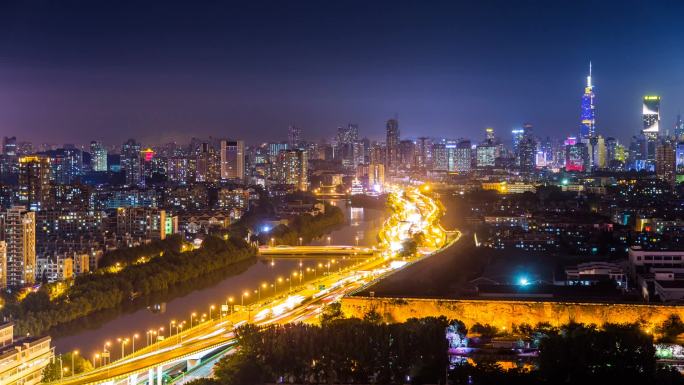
(589, 77)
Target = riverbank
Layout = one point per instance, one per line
(42, 310)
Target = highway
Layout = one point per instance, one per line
(283, 250)
(413, 213)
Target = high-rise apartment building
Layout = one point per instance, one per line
(207, 165)
(131, 163)
(392, 143)
(293, 169)
(424, 152)
(440, 159)
(376, 176)
(18, 230)
(463, 156)
(34, 181)
(3, 264)
(98, 157)
(232, 159)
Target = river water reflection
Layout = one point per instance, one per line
(89, 335)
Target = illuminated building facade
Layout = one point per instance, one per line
(232, 159)
(18, 230)
(293, 169)
(130, 163)
(22, 361)
(651, 123)
(588, 125)
(98, 157)
(294, 136)
(34, 182)
(392, 143)
(665, 162)
(440, 159)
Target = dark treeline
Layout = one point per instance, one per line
(306, 226)
(151, 250)
(91, 293)
(368, 351)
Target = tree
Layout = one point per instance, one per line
(332, 312)
(670, 328)
(372, 316)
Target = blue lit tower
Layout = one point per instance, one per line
(588, 127)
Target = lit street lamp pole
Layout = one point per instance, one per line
(73, 368)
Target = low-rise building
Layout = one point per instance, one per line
(22, 361)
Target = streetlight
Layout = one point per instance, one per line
(212, 307)
(96, 358)
(171, 324)
(272, 242)
(242, 298)
(105, 352)
(357, 240)
(328, 241)
(230, 300)
(74, 353)
(193, 315)
(280, 279)
(300, 241)
(135, 337)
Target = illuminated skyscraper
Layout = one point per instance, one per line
(588, 126)
(232, 159)
(98, 156)
(665, 162)
(679, 128)
(392, 144)
(651, 121)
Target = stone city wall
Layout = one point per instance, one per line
(505, 313)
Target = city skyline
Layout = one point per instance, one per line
(68, 72)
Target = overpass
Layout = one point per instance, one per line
(283, 250)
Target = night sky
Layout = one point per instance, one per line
(71, 72)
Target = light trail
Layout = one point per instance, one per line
(413, 213)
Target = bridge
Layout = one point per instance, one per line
(316, 250)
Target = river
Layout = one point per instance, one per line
(89, 335)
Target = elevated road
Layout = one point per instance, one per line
(414, 213)
(316, 250)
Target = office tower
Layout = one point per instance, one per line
(18, 230)
(377, 153)
(665, 162)
(679, 128)
(294, 136)
(527, 150)
(98, 157)
(597, 151)
(34, 182)
(440, 160)
(463, 156)
(588, 126)
(130, 163)
(392, 143)
(293, 169)
(232, 159)
(518, 135)
(3, 264)
(651, 124)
